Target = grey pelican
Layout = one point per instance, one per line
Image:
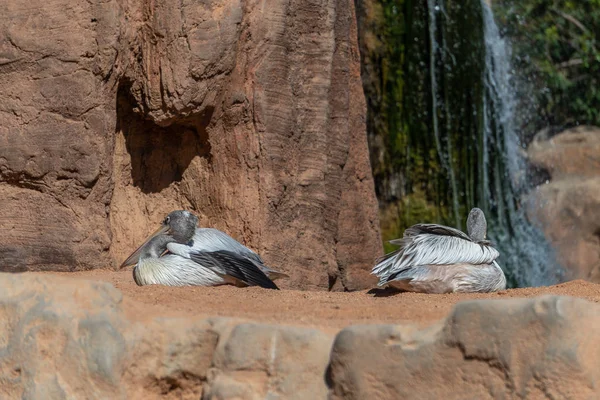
(438, 259)
(197, 256)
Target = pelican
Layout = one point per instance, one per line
(197, 256)
(438, 259)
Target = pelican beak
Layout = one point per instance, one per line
(133, 258)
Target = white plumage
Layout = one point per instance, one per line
(212, 240)
(439, 259)
(173, 270)
(197, 256)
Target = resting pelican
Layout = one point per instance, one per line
(197, 256)
(438, 259)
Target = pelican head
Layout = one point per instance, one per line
(180, 225)
(476, 225)
(155, 247)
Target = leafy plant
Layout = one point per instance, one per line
(556, 43)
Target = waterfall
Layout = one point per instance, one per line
(449, 118)
(445, 156)
(526, 256)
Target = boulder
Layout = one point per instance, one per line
(574, 152)
(113, 113)
(62, 338)
(486, 349)
(270, 362)
(565, 207)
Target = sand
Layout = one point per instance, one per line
(328, 311)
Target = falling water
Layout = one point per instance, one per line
(434, 8)
(454, 106)
(526, 255)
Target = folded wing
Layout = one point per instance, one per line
(435, 229)
(430, 244)
(210, 239)
(228, 263)
(173, 270)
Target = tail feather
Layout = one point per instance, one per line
(273, 275)
(384, 265)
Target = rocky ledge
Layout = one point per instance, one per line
(62, 338)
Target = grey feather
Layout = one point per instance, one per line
(459, 278)
(173, 270)
(433, 249)
(229, 263)
(435, 259)
(210, 239)
(435, 229)
(198, 256)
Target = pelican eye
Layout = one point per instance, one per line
(167, 220)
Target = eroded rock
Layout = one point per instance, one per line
(272, 362)
(112, 114)
(574, 152)
(60, 339)
(565, 207)
(66, 338)
(486, 349)
(71, 338)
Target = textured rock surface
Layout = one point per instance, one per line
(70, 338)
(535, 349)
(267, 362)
(60, 339)
(574, 152)
(56, 132)
(566, 206)
(251, 114)
(64, 338)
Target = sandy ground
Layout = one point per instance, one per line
(328, 311)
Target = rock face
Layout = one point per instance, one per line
(114, 113)
(486, 349)
(67, 339)
(263, 361)
(566, 207)
(63, 338)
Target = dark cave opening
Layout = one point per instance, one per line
(159, 155)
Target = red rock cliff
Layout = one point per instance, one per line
(250, 113)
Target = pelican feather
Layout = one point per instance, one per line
(438, 259)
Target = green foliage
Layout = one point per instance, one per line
(419, 170)
(392, 112)
(412, 209)
(557, 44)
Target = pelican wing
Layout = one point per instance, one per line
(418, 248)
(232, 264)
(210, 239)
(435, 229)
(173, 270)
(450, 278)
